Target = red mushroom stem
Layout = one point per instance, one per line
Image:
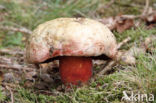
(75, 70)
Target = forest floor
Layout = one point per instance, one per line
(22, 82)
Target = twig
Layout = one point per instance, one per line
(11, 85)
(111, 63)
(15, 67)
(107, 68)
(130, 16)
(22, 29)
(145, 8)
(11, 52)
(123, 42)
(11, 93)
(4, 59)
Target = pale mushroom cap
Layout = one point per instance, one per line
(70, 37)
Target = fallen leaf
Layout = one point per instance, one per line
(150, 18)
(148, 43)
(129, 57)
(30, 75)
(28, 84)
(46, 77)
(109, 22)
(124, 24)
(119, 23)
(41, 85)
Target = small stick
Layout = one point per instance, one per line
(130, 16)
(145, 8)
(107, 68)
(123, 42)
(22, 29)
(4, 59)
(11, 52)
(15, 67)
(11, 93)
(111, 63)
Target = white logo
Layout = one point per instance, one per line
(137, 97)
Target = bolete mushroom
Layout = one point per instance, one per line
(74, 41)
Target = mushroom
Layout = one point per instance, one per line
(73, 41)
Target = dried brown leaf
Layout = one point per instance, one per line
(119, 23)
(150, 18)
(123, 24)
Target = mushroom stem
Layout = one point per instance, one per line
(75, 70)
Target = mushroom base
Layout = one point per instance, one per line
(75, 70)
